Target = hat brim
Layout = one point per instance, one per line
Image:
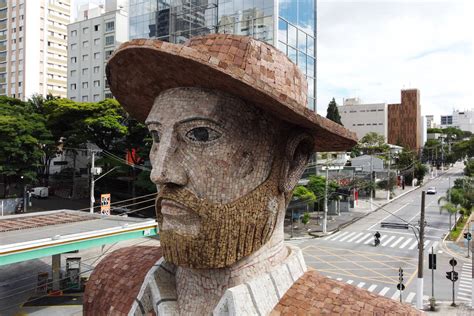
(138, 73)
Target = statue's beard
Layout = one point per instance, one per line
(225, 233)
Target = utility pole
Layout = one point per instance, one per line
(372, 181)
(388, 177)
(419, 281)
(325, 216)
(92, 199)
(472, 277)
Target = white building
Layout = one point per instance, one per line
(92, 39)
(33, 47)
(464, 120)
(364, 118)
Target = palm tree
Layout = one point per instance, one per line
(449, 207)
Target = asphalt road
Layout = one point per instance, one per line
(350, 255)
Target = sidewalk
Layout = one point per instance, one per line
(336, 222)
(445, 309)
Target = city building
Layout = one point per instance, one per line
(288, 25)
(430, 121)
(404, 121)
(97, 32)
(33, 47)
(464, 120)
(364, 118)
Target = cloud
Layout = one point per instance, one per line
(373, 49)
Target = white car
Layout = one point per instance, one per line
(431, 190)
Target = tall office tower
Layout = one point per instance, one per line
(92, 39)
(33, 47)
(288, 25)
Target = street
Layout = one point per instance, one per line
(350, 256)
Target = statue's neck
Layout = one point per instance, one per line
(199, 290)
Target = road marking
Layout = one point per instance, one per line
(387, 241)
(396, 242)
(347, 236)
(365, 236)
(405, 243)
(384, 290)
(410, 297)
(350, 281)
(370, 228)
(426, 243)
(435, 244)
(331, 236)
(339, 236)
(353, 238)
(339, 279)
(372, 288)
(396, 295)
(413, 245)
(371, 240)
(361, 284)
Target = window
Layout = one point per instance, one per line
(73, 46)
(85, 71)
(96, 97)
(85, 30)
(96, 27)
(73, 33)
(85, 57)
(96, 83)
(96, 55)
(108, 53)
(85, 44)
(73, 60)
(110, 26)
(97, 41)
(108, 95)
(73, 72)
(73, 86)
(96, 69)
(85, 85)
(85, 98)
(109, 40)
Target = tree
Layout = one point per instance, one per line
(373, 143)
(333, 112)
(469, 168)
(420, 171)
(449, 207)
(303, 194)
(23, 137)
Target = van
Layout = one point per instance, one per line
(40, 192)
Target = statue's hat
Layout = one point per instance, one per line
(240, 65)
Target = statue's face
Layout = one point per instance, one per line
(214, 161)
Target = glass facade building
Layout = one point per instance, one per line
(289, 25)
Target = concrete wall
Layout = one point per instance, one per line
(9, 205)
(365, 118)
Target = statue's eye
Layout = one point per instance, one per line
(155, 135)
(202, 134)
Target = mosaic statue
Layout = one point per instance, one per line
(231, 138)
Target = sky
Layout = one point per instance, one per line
(372, 49)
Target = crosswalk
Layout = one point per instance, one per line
(465, 283)
(390, 292)
(390, 241)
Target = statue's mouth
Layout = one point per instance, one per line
(179, 218)
(172, 208)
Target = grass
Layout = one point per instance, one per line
(458, 229)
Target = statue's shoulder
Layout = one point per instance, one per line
(314, 292)
(117, 279)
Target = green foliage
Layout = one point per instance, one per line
(420, 171)
(372, 143)
(333, 112)
(469, 168)
(405, 159)
(434, 130)
(302, 193)
(23, 137)
(305, 218)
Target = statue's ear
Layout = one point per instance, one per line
(298, 150)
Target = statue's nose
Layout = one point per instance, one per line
(167, 167)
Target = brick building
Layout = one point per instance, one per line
(404, 121)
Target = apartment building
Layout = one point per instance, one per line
(364, 118)
(92, 40)
(464, 120)
(33, 47)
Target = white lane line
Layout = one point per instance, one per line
(410, 297)
(350, 281)
(365, 236)
(426, 243)
(370, 240)
(405, 243)
(434, 245)
(396, 295)
(332, 236)
(339, 236)
(361, 284)
(347, 236)
(413, 245)
(372, 288)
(384, 290)
(353, 238)
(397, 242)
(339, 279)
(370, 228)
(388, 240)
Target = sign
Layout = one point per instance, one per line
(432, 261)
(453, 262)
(105, 204)
(452, 275)
(400, 286)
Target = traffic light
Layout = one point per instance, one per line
(465, 235)
(400, 275)
(449, 275)
(455, 276)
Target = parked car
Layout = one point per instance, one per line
(39, 192)
(431, 190)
